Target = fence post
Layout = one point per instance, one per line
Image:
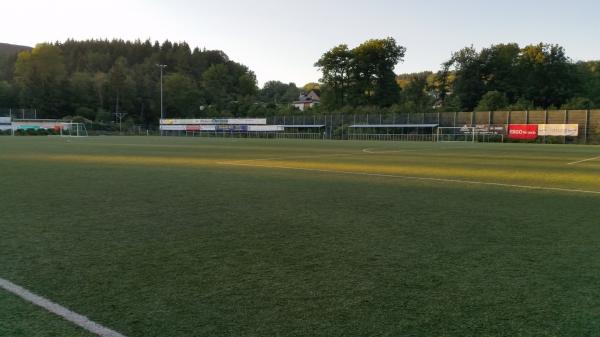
(587, 123)
(342, 128)
(566, 121)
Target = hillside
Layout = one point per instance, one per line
(9, 49)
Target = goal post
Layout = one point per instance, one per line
(456, 134)
(73, 130)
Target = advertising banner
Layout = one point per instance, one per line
(265, 128)
(565, 130)
(37, 125)
(5, 120)
(172, 127)
(215, 121)
(231, 128)
(523, 131)
(489, 129)
(199, 128)
(187, 128)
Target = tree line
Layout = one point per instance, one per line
(504, 76)
(96, 78)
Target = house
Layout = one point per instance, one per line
(307, 101)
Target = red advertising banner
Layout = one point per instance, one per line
(523, 131)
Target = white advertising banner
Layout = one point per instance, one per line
(5, 120)
(187, 127)
(565, 130)
(172, 127)
(215, 121)
(265, 128)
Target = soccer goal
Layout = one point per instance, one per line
(456, 134)
(73, 130)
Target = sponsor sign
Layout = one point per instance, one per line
(565, 130)
(523, 131)
(231, 128)
(37, 125)
(187, 127)
(265, 128)
(489, 129)
(215, 121)
(5, 120)
(172, 127)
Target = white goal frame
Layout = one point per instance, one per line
(457, 134)
(73, 130)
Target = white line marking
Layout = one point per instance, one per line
(583, 161)
(381, 175)
(298, 157)
(370, 151)
(59, 310)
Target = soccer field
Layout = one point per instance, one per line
(235, 237)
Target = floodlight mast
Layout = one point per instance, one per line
(162, 115)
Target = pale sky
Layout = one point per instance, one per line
(281, 40)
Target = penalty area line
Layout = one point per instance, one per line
(443, 180)
(59, 310)
(583, 161)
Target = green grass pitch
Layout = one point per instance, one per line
(231, 237)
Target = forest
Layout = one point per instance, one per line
(93, 79)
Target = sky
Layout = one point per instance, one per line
(281, 40)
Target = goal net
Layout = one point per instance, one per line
(456, 134)
(73, 130)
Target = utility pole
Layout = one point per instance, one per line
(162, 114)
(120, 116)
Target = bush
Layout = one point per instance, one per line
(103, 116)
(492, 101)
(86, 113)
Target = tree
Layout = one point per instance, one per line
(541, 74)
(589, 75)
(578, 103)
(373, 71)
(308, 87)
(416, 96)
(39, 74)
(81, 91)
(499, 71)
(183, 99)
(361, 76)
(278, 92)
(548, 76)
(215, 82)
(468, 85)
(492, 101)
(7, 95)
(336, 66)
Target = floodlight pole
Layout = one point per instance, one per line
(162, 116)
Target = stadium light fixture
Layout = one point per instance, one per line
(162, 68)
